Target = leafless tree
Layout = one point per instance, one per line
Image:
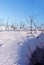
(22, 26)
(7, 24)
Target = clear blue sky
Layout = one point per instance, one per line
(19, 10)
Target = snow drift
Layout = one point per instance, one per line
(16, 48)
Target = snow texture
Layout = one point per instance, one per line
(16, 47)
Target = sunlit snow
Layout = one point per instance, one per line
(16, 46)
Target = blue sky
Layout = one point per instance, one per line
(19, 10)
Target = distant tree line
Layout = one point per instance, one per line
(22, 27)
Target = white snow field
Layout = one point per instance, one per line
(15, 47)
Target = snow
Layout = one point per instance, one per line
(16, 47)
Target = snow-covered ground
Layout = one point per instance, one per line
(16, 47)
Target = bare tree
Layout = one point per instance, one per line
(31, 23)
(7, 24)
(22, 26)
